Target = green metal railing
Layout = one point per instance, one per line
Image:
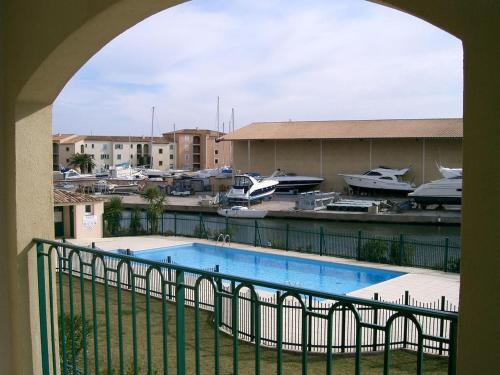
(117, 314)
(400, 250)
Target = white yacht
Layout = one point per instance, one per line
(290, 182)
(242, 212)
(381, 179)
(248, 189)
(447, 190)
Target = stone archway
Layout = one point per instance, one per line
(46, 43)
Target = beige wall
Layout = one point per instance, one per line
(330, 157)
(82, 231)
(43, 46)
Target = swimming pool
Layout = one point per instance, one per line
(304, 273)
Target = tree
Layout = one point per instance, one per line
(82, 161)
(113, 214)
(156, 201)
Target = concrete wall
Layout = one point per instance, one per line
(328, 158)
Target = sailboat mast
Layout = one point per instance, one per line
(232, 117)
(217, 116)
(151, 141)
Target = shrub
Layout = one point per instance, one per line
(375, 251)
(77, 332)
(454, 265)
(135, 221)
(406, 257)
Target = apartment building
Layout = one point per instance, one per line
(200, 149)
(112, 150)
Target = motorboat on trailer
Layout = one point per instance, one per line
(447, 190)
(290, 182)
(249, 189)
(381, 179)
(242, 212)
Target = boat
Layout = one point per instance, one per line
(250, 189)
(71, 174)
(381, 179)
(242, 212)
(125, 172)
(449, 172)
(447, 190)
(290, 182)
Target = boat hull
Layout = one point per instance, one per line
(377, 185)
(242, 214)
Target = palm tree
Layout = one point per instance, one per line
(156, 200)
(113, 214)
(82, 161)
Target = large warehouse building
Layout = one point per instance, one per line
(326, 148)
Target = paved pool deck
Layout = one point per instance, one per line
(424, 285)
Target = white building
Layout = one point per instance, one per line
(112, 150)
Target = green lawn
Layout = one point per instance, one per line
(401, 362)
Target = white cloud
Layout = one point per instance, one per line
(271, 60)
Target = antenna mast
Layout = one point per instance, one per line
(151, 141)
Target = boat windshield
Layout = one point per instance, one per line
(242, 182)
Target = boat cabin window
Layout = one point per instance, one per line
(242, 181)
(386, 178)
(371, 173)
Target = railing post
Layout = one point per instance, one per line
(200, 224)
(42, 306)
(441, 325)
(175, 224)
(405, 325)
(93, 245)
(227, 225)
(358, 248)
(452, 355)
(162, 216)
(309, 331)
(401, 249)
(256, 228)
(169, 278)
(180, 322)
(375, 322)
(287, 234)
(321, 238)
(446, 253)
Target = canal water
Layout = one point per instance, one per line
(425, 232)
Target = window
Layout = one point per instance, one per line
(160, 163)
(88, 209)
(196, 140)
(67, 148)
(171, 147)
(92, 156)
(216, 152)
(92, 145)
(171, 157)
(131, 145)
(67, 160)
(86, 145)
(186, 157)
(131, 156)
(171, 166)
(160, 151)
(118, 146)
(119, 156)
(216, 161)
(82, 149)
(104, 156)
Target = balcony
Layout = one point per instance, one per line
(118, 313)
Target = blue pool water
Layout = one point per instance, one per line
(305, 273)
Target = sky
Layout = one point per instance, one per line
(270, 60)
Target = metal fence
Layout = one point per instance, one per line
(261, 313)
(400, 250)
